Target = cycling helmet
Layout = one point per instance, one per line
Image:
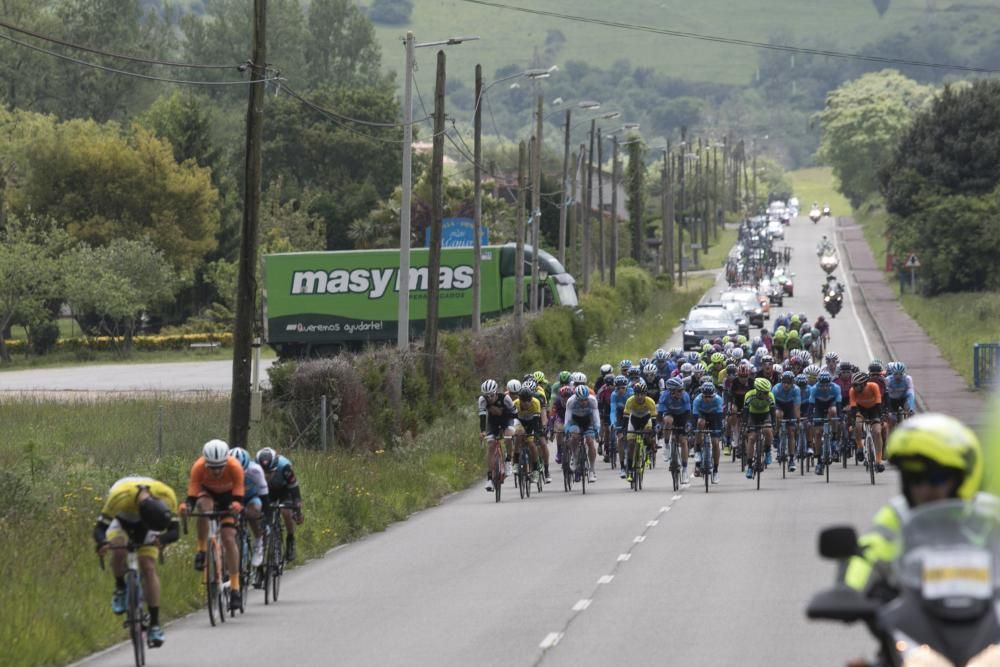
(489, 387)
(693, 357)
(621, 381)
(825, 377)
(896, 367)
(727, 347)
(762, 385)
(718, 358)
(525, 393)
(609, 379)
(787, 376)
(633, 371)
(155, 514)
(639, 387)
(875, 366)
(675, 384)
(215, 453)
(565, 392)
(539, 377)
(660, 355)
(577, 378)
(643, 362)
(564, 377)
(845, 367)
(606, 368)
(832, 358)
(530, 385)
(737, 353)
(241, 455)
(707, 389)
(741, 340)
(525, 377)
(743, 370)
(707, 347)
(687, 369)
(717, 347)
(807, 339)
(929, 441)
(582, 392)
(860, 378)
(812, 370)
(801, 380)
(514, 386)
(267, 458)
(730, 368)
(766, 359)
(793, 334)
(650, 369)
(700, 367)
(625, 365)
(726, 339)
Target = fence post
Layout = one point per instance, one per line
(322, 421)
(159, 432)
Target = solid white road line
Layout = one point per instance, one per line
(623, 557)
(639, 538)
(581, 605)
(606, 579)
(650, 524)
(551, 640)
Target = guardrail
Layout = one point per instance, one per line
(985, 364)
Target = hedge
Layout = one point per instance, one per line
(143, 343)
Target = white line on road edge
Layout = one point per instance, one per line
(639, 538)
(850, 298)
(551, 640)
(623, 557)
(677, 497)
(581, 605)
(664, 509)
(606, 579)
(654, 522)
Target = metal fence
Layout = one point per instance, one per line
(985, 362)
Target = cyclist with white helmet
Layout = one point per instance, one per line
(256, 491)
(216, 485)
(582, 416)
(675, 409)
(708, 407)
(283, 485)
(639, 414)
(899, 392)
(496, 422)
(825, 398)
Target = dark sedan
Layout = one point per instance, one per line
(707, 323)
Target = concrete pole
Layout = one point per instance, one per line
(563, 210)
(615, 179)
(403, 280)
(477, 213)
(519, 242)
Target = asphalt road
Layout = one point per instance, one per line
(214, 376)
(612, 577)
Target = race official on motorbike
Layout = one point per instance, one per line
(824, 247)
(832, 284)
(938, 458)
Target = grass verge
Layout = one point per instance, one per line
(717, 252)
(60, 460)
(62, 358)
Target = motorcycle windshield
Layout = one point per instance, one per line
(950, 551)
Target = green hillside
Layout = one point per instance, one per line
(514, 37)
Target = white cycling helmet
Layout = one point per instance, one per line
(215, 452)
(489, 387)
(514, 386)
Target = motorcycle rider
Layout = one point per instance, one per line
(824, 247)
(832, 284)
(939, 458)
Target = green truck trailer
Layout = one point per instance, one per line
(320, 302)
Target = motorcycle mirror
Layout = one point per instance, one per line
(838, 543)
(841, 603)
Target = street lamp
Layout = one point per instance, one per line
(403, 318)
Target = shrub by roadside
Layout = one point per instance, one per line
(140, 343)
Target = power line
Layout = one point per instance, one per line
(137, 75)
(110, 54)
(357, 121)
(734, 41)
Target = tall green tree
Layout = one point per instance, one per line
(340, 47)
(635, 191)
(862, 122)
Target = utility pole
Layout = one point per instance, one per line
(437, 207)
(246, 286)
(536, 206)
(496, 191)
(614, 209)
(405, 208)
(705, 193)
(588, 209)
(519, 245)
(715, 193)
(668, 220)
(477, 211)
(563, 210)
(682, 161)
(755, 200)
(573, 219)
(676, 169)
(601, 258)
(696, 223)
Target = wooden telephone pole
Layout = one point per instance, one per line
(246, 286)
(437, 207)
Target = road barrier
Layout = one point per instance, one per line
(985, 364)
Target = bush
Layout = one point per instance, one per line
(43, 336)
(145, 343)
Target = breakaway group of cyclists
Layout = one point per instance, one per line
(144, 511)
(733, 388)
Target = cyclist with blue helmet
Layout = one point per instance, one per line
(255, 494)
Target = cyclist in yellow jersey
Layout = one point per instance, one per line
(528, 410)
(640, 413)
(143, 510)
(541, 440)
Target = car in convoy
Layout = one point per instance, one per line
(748, 303)
(776, 229)
(708, 321)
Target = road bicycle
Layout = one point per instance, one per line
(869, 446)
(706, 454)
(758, 453)
(802, 450)
(136, 617)
(783, 443)
(216, 579)
(580, 459)
(826, 444)
(244, 542)
(522, 475)
(674, 457)
(274, 558)
(496, 466)
(638, 456)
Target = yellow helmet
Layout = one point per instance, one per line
(943, 440)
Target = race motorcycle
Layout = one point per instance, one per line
(826, 211)
(815, 215)
(936, 604)
(833, 301)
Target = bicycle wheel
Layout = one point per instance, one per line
(246, 568)
(278, 561)
(827, 453)
(759, 463)
(133, 597)
(675, 467)
(844, 448)
(497, 475)
(567, 469)
(870, 455)
(211, 583)
(583, 464)
(783, 454)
